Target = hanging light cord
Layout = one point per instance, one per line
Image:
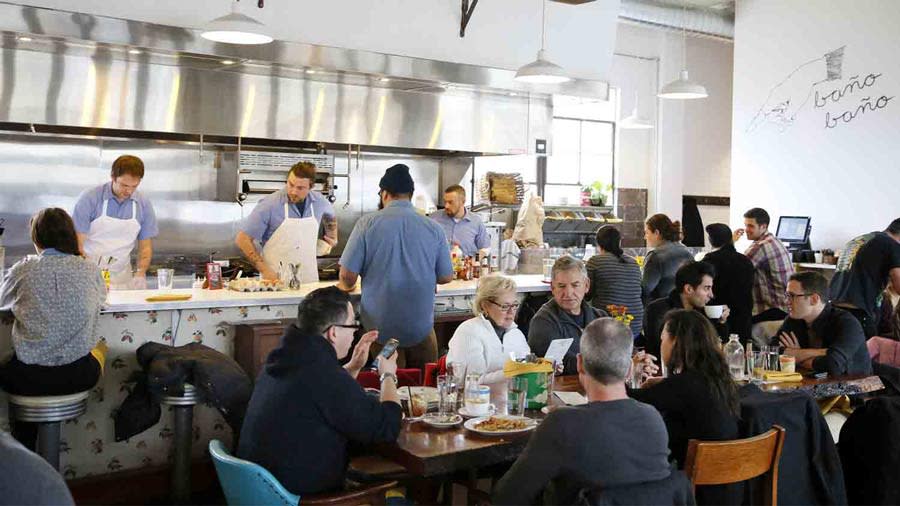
(543, 21)
(684, 35)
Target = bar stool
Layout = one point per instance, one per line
(183, 408)
(48, 412)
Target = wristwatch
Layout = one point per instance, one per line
(389, 375)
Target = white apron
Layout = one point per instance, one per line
(113, 237)
(293, 242)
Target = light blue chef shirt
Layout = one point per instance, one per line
(90, 205)
(399, 255)
(268, 214)
(469, 231)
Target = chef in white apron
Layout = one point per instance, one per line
(287, 224)
(111, 218)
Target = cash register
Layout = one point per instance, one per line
(793, 232)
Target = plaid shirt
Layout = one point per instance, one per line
(773, 268)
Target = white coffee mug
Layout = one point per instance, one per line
(714, 312)
(479, 404)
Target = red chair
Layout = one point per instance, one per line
(405, 378)
(433, 370)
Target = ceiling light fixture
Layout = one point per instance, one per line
(24, 39)
(542, 70)
(227, 62)
(310, 71)
(385, 79)
(683, 88)
(236, 28)
(134, 51)
(634, 121)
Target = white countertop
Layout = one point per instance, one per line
(827, 267)
(124, 301)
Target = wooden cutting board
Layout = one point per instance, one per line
(169, 297)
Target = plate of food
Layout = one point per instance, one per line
(439, 421)
(500, 425)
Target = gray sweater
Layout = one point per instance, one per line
(660, 267)
(26, 478)
(617, 281)
(600, 444)
(552, 322)
(55, 299)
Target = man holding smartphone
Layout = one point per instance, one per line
(306, 407)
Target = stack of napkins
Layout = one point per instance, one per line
(779, 377)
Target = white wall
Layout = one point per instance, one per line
(847, 177)
(692, 139)
(501, 33)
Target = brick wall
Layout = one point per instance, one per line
(632, 208)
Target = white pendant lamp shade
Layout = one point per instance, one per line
(542, 71)
(236, 28)
(683, 89)
(635, 122)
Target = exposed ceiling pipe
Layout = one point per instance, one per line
(703, 23)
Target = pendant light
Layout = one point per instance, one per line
(542, 71)
(683, 88)
(633, 121)
(236, 28)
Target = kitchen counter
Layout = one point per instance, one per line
(124, 301)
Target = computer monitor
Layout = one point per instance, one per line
(794, 230)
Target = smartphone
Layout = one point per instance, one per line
(389, 348)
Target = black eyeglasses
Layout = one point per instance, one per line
(354, 327)
(793, 296)
(505, 307)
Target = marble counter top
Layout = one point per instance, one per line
(125, 301)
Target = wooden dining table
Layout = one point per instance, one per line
(428, 452)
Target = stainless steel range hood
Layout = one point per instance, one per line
(97, 72)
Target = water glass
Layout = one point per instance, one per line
(758, 361)
(457, 373)
(516, 395)
(473, 384)
(446, 395)
(548, 268)
(165, 278)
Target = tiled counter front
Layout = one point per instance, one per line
(88, 444)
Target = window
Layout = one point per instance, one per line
(582, 153)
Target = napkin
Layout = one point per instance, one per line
(778, 376)
(512, 368)
(571, 398)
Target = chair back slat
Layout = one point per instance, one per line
(721, 462)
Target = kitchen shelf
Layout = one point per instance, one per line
(581, 209)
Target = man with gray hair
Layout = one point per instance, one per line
(610, 442)
(567, 314)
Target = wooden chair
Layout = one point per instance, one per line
(721, 462)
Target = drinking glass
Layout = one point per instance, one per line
(758, 360)
(516, 395)
(457, 373)
(473, 382)
(165, 278)
(446, 396)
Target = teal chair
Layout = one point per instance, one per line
(245, 483)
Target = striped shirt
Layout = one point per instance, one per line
(614, 281)
(773, 268)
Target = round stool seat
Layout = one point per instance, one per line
(191, 397)
(55, 408)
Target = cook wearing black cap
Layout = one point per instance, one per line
(401, 257)
(733, 285)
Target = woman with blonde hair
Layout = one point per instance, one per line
(484, 343)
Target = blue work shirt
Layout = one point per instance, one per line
(469, 231)
(399, 255)
(90, 205)
(268, 214)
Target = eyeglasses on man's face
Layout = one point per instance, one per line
(793, 296)
(353, 327)
(505, 307)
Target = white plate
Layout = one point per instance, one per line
(465, 413)
(470, 425)
(436, 422)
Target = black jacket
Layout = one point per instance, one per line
(870, 452)
(841, 333)
(305, 410)
(552, 322)
(674, 490)
(219, 379)
(733, 287)
(810, 470)
(655, 315)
